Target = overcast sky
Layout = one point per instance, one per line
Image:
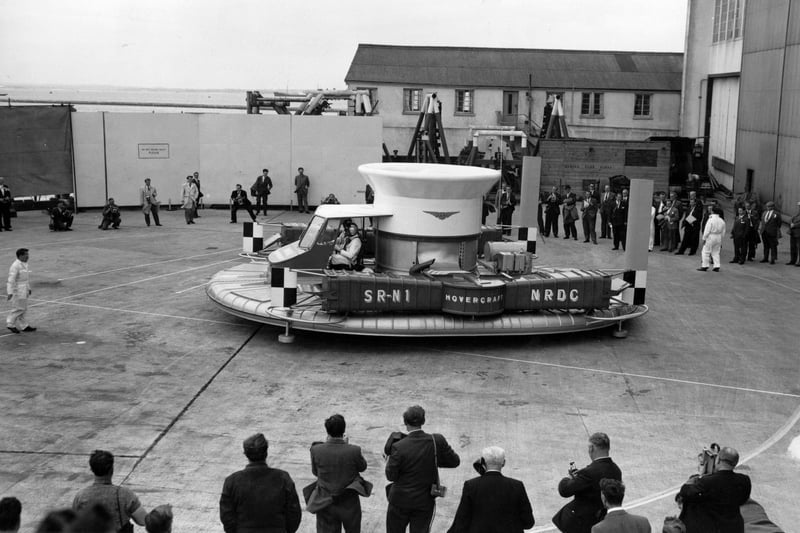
(265, 44)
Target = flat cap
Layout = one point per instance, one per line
(255, 443)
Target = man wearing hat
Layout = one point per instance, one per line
(148, 197)
(259, 499)
(794, 235)
(770, 232)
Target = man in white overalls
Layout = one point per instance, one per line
(18, 290)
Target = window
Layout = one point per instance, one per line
(642, 106)
(464, 101)
(412, 100)
(592, 104)
(727, 20)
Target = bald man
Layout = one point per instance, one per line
(711, 502)
(492, 502)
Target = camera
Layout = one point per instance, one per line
(438, 491)
(708, 459)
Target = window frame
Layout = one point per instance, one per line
(640, 115)
(727, 23)
(596, 107)
(471, 111)
(407, 92)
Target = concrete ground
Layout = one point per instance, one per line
(131, 356)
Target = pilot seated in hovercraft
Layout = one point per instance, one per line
(345, 254)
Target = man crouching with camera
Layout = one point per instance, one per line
(710, 502)
(413, 467)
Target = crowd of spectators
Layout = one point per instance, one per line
(260, 498)
(677, 226)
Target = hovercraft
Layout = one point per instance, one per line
(426, 267)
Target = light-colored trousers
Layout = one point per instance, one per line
(711, 250)
(16, 317)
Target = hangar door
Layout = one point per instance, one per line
(36, 149)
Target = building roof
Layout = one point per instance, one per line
(509, 67)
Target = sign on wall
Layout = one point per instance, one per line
(154, 151)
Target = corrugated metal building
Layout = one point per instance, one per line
(742, 94)
(768, 133)
(606, 95)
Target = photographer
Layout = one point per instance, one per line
(61, 217)
(710, 501)
(586, 509)
(492, 502)
(111, 216)
(148, 197)
(413, 467)
(239, 200)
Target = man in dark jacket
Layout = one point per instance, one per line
(259, 499)
(337, 464)
(261, 190)
(770, 230)
(552, 208)
(413, 467)
(493, 503)
(586, 508)
(619, 221)
(691, 226)
(710, 503)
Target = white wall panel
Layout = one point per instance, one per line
(127, 170)
(234, 148)
(330, 149)
(90, 176)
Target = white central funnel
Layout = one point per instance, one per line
(430, 199)
(436, 213)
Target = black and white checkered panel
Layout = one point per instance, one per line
(528, 235)
(634, 294)
(252, 237)
(283, 287)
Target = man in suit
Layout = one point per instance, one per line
(794, 235)
(739, 236)
(239, 200)
(691, 226)
(619, 221)
(301, 184)
(586, 508)
(5, 205)
(552, 207)
(412, 466)
(148, 197)
(753, 216)
(590, 208)
(337, 465)
(617, 519)
(259, 499)
(189, 195)
(770, 230)
(493, 503)
(710, 503)
(261, 190)
(606, 208)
